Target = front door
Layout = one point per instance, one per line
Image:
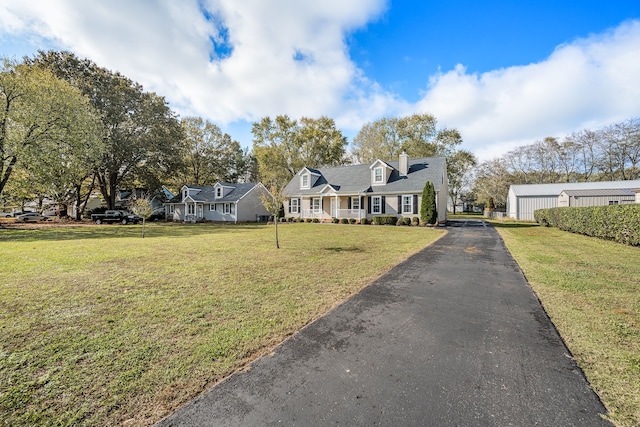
(334, 208)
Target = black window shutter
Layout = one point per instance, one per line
(399, 204)
(349, 203)
(415, 204)
(361, 202)
(290, 205)
(369, 205)
(383, 204)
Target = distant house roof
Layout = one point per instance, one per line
(356, 179)
(600, 192)
(556, 189)
(207, 193)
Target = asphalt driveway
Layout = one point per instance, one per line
(454, 336)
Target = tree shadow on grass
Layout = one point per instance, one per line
(344, 249)
(514, 224)
(116, 231)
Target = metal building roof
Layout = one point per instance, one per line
(556, 189)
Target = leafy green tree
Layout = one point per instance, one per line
(417, 135)
(211, 155)
(284, 146)
(143, 137)
(492, 182)
(459, 166)
(428, 212)
(40, 115)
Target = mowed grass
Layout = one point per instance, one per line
(101, 327)
(591, 290)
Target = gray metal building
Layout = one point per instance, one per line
(523, 200)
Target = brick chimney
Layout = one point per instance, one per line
(404, 164)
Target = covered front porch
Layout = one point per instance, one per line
(327, 207)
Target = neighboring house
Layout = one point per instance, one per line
(365, 191)
(637, 191)
(523, 200)
(223, 202)
(125, 197)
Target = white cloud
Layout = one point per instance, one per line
(166, 46)
(587, 83)
(291, 57)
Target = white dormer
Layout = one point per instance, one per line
(189, 192)
(220, 190)
(380, 172)
(308, 178)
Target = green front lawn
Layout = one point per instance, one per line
(101, 327)
(591, 290)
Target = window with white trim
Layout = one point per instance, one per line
(218, 192)
(227, 208)
(613, 202)
(304, 181)
(378, 175)
(376, 205)
(407, 204)
(171, 209)
(355, 204)
(191, 209)
(294, 205)
(315, 205)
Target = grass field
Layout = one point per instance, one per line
(591, 290)
(99, 326)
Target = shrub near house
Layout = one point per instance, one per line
(620, 223)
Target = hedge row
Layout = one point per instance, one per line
(620, 223)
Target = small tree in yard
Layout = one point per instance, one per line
(428, 213)
(142, 207)
(272, 202)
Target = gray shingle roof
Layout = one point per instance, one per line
(207, 193)
(356, 179)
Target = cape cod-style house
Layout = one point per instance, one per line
(367, 190)
(222, 202)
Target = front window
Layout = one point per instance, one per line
(304, 181)
(377, 175)
(376, 205)
(191, 209)
(227, 208)
(407, 204)
(355, 204)
(171, 209)
(613, 202)
(315, 205)
(295, 206)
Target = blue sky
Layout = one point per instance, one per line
(504, 73)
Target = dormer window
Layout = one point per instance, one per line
(304, 181)
(378, 175)
(185, 193)
(218, 192)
